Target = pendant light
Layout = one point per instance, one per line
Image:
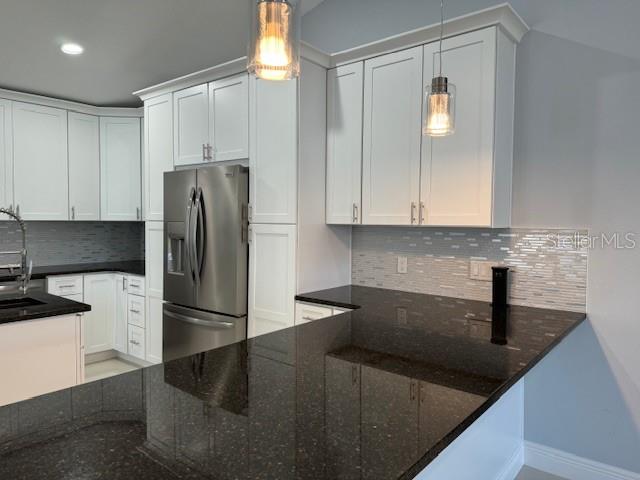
(274, 46)
(441, 96)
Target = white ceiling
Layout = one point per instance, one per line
(129, 44)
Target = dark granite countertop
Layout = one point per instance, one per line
(43, 305)
(134, 267)
(375, 393)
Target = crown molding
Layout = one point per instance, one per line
(70, 105)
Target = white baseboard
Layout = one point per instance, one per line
(512, 469)
(571, 466)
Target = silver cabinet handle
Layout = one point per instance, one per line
(422, 213)
(73, 213)
(210, 152)
(137, 213)
(413, 213)
(18, 209)
(355, 213)
(309, 319)
(204, 152)
(134, 342)
(125, 284)
(250, 212)
(249, 234)
(134, 311)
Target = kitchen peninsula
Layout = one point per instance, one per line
(374, 393)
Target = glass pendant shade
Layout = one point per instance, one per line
(441, 111)
(274, 46)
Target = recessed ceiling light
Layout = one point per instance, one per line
(72, 48)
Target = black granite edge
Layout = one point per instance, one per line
(52, 306)
(431, 455)
(323, 301)
(132, 267)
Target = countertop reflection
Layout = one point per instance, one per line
(375, 393)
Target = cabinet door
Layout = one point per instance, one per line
(272, 267)
(84, 167)
(6, 156)
(344, 144)
(120, 169)
(158, 130)
(389, 424)
(273, 158)
(41, 183)
(229, 118)
(391, 138)
(154, 238)
(190, 125)
(457, 169)
(120, 327)
(99, 292)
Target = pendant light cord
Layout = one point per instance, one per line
(441, 32)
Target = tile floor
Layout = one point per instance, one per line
(528, 473)
(107, 368)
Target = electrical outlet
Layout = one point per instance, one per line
(402, 264)
(401, 315)
(481, 270)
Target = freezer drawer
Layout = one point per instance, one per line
(187, 331)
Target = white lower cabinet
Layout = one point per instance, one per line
(40, 356)
(121, 307)
(272, 283)
(309, 312)
(154, 247)
(117, 303)
(100, 293)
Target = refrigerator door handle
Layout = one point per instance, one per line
(198, 321)
(193, 246)
(200, 232)
(187, 232)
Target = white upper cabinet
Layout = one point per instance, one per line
(84, 167)
(121, 197)
(6, 155)
(158, 126)
(272, 282)
(391, 138)
(40, 162)
(273, 158)
(191, 125)
(344, 144)
(459, 185)
(229, 118)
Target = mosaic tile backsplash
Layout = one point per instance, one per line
(63, 243)
(544, 272)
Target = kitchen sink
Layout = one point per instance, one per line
(19, 302)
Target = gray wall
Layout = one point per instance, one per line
(64, 243)
(577, 165)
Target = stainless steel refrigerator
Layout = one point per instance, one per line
(205, 259)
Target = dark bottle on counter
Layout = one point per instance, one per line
(500, 286)
(500, 310)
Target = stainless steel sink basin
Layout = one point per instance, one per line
(19, 302)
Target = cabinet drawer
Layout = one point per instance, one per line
(65, 285)
(135, 311)
(306, 312)
(76, 297)
(136, 341)
(135, 285)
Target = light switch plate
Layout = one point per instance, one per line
(481, 270)
(402, 264)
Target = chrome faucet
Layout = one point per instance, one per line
(25, 273)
